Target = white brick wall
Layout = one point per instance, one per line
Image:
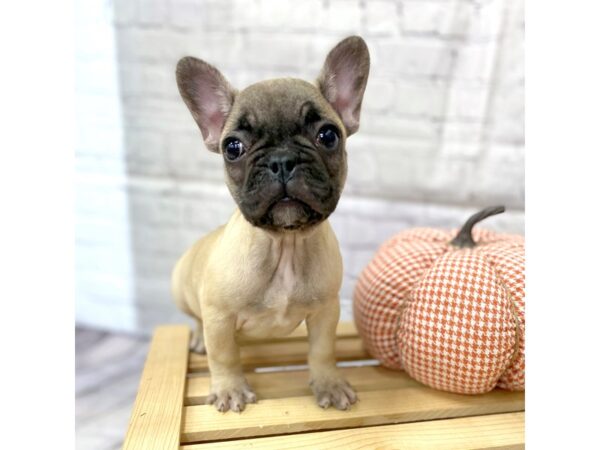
(441, 132)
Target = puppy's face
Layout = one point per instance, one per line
(285, 161)
(283, 140)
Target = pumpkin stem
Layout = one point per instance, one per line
(464, 238)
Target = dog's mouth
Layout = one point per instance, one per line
(288, 202)
(290, 213)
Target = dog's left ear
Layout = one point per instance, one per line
(343, 79)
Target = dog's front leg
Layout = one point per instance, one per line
(326, 382)
(228, 386)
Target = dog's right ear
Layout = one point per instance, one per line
(208, 96)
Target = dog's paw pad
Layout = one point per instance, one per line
(335, 392)
(234, 399)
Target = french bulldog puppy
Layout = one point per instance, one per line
(277, 261)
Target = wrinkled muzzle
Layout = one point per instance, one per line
(287, 189)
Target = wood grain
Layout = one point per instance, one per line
(496, 431)
(295, 383)
(284, 353)
(156, 418)
(296, 414)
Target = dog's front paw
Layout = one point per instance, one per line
(336, 392)
(231, 396)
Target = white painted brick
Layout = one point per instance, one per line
(467, 102)
(422, 179)
(465, 131)
(458, 18)
(413, 58)
(208, 14)
(510, 69)
(125, 12)
(246, 13)
(362, 164)
(412, 214)
(302, 15)
(460, 150)
(287, 52)
(474, 62)
(152, 12)
(379, 145)
(156, 208)
(150, 45)
(155, 241)
(147, 80)
(190, 159)
(146, 153)
(156, 113)
(424, 16)
(207, 210)
(399, 127)
(382, 17)
(380, 96)
(421, 98)
(185, 13)
(155, 291)
(275, 15)
(507, 153)
(342, 16)
(499, 183)
(219, 48)
(509, 114)
(153, 267)
(485, 19)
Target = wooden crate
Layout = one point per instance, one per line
(394, 411)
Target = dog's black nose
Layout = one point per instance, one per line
(283, 165)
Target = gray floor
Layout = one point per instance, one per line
(108, 369)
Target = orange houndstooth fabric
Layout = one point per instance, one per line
(453, 318)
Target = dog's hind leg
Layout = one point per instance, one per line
(197, 341)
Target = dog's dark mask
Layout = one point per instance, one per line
(284, 154)
(283, 140)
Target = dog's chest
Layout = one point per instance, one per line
(286, 279)
(286, 297)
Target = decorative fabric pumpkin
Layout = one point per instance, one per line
(448, 310)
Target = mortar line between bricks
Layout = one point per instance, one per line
(485, 140)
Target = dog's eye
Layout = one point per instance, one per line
(233, 149)
(328, 137)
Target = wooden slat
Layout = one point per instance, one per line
(155, 421)
(344, 330)
(495, 431)
(295, 383)
(295, 414)
(284, 353)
